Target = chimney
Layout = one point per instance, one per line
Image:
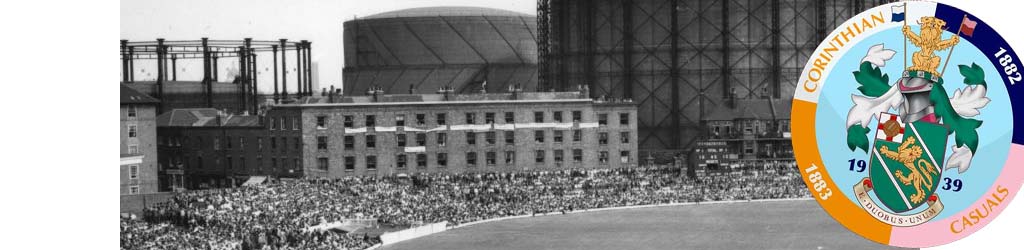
(330, 95)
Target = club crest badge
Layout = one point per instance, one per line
(935, 88)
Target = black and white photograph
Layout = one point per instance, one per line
(451, 125)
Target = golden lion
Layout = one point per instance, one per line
(929, 41)
(920, 173)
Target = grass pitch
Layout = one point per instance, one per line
(744, 225)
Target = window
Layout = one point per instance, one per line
(402, 161)
(350, 142)
(442, 139)
(624, 156)
(470, 118)
(350, 163)
(228, 140)
(577, 155)
(371, 120)
(471, 138)
(321, 142)
(577, 135)
(241, 143)
(510, 137)
(349, 120)
(510, 157)
(471, 159)
(273, 123)
(321, 163)
(273, 163)
(259, 143)
(321, 122)
(602, 138)
(133, 189)
(371, 162)
(539, 156)
(538, 136)
(421, 119)
(284, 122)
(491, 158)
(490, 137)
(371, 141)
(602, 119)
(297, 163)
(295, 141)
(441, 119)
(558, 136)
(230, 164)
(510, 117)
(399, 120)
(216, 143)
(557, 116)
(577, 116)
(132, 111)
(273, 142)
(401, 139)
(602, 157)
(295, 124)
(133, 172)
(133, 130)
(559, 156)
(538, 117)
(421, 160)
(421, 139)
(133, 149)
(624, 137)
(442, 159)
(624, 119)
(489, 118)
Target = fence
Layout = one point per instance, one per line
(412, 233)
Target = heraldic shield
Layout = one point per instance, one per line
(906, 161)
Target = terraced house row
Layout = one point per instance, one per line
(336, 136)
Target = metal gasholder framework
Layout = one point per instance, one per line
(166, 53)
(680, 60)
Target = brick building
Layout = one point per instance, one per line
(204, 148)
(138, 171)
(334, 136)
(751, 130)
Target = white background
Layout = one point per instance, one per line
(58, 178)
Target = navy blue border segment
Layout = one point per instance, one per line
(989, 42)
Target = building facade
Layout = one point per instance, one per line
(333, 137)
(504, 132)
(758, 130)
(138, 167)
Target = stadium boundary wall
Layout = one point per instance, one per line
(412, 233)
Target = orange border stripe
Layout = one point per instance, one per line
(805, 148)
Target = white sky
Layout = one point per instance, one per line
(319, 21)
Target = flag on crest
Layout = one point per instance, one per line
(967, 27)
(899, 13)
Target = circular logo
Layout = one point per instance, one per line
(903, 124)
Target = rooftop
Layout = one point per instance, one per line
(132, 96)
(446, 11)
(757, 109)
(424, 99)
(204, 117)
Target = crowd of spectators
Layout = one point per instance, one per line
(278, 216)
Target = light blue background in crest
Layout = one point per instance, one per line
(994, 134)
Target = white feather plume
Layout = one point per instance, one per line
(968, 101)
(960, 159)
(877, 55)
(864, 108)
